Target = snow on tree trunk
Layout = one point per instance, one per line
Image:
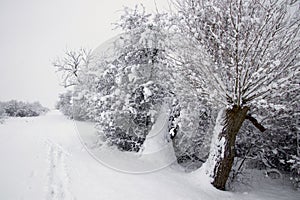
(221, 156)
(158, 145)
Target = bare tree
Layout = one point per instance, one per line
(240, 54)
(71, 65)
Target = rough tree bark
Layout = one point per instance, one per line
(234, 118)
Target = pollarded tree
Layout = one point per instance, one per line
(240, 54)
(277, 147)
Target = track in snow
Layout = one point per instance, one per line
(58, 176)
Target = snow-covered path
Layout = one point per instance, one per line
(42, 158)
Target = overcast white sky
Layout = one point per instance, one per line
(34, 32)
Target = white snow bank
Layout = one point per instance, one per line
(42, 158)
(157, 151)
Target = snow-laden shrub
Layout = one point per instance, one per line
(190, 116)
(295, 168)
(15, 108)
(132, 88)
(2, 112)
(73, 105)
(129, 108)
(192, 141)
(64, 104)
(276, 148)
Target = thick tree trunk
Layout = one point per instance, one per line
(223, 159)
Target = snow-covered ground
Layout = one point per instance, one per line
(43, 158)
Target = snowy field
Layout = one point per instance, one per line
(43, 158)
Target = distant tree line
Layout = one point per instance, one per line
(14, 108)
